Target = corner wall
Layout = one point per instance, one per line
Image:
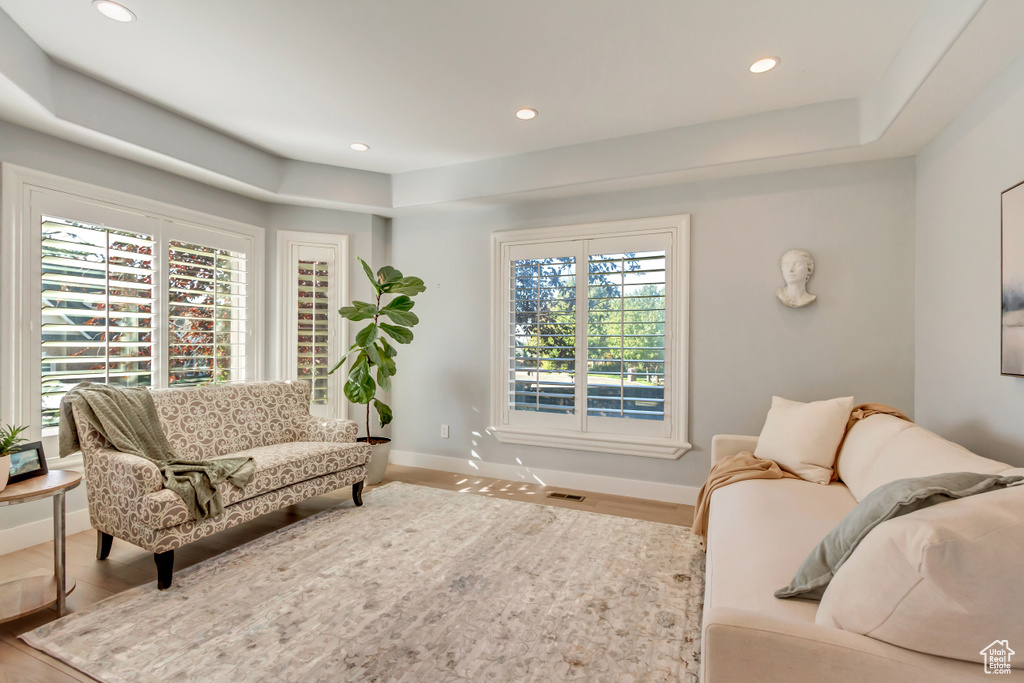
(858, 338)
(960, 175)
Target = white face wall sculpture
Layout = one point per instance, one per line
(797, 267)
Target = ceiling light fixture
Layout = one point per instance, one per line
(112, 10)
(525, 114)
(762, 65)
(360, 147)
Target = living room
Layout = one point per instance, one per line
(837, 221)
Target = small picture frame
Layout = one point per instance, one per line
(27, 461)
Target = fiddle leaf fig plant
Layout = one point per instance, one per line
(10, 438)
(374, 362)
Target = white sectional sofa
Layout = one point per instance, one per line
(759, 533)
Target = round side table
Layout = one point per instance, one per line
(24, 596)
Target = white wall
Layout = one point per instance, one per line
(960, 175)
(858, 338)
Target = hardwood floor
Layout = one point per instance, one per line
(129, 566)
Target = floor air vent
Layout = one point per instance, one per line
(566, 496)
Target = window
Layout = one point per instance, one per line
(312, 282)
(590, 347)
(206, 315)
(312, 320)
(104, 287)
(97, 309)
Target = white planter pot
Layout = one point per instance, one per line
(379, 454)
(5, 471)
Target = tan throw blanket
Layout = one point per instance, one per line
(127, 418)
(743, 466)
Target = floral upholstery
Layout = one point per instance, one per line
(297, 456)
(204, 422)
(276, 466)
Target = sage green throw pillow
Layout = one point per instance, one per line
(897, 498)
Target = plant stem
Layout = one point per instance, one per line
(375, 317)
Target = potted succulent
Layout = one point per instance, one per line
(373, 365)
(10, 439)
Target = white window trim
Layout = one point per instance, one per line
(18, 184)
(288, 243)
(676, 339)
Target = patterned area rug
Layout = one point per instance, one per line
(417, 585)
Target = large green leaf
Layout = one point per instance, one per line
(400, 303)
(360, 387)
(387, 366)
(401, 335)
(407, 285)
(389, 350)
(369, 274)
(359, 310)
(383, 381)
(406, 318)
(367, 335)
(383, 412)
(373, 354)
(387, 275)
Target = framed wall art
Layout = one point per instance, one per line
(1012, 344)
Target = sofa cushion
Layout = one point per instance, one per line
(883, 448)
(276, 467)
(944, 580)
(895, 499)
(760, 531)
(803, 437)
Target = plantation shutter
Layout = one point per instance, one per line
(628, 318)
(313, 327)
(626, 335)
(206, 314)
(542, 331)
(587, 326)
(97, 309)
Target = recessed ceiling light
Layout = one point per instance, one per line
(360, 147)
(112, 10)
(526, 114)
(762, 65)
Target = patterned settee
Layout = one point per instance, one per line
(297, 456)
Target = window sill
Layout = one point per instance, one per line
(664, 449)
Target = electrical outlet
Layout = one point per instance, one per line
(444, 431)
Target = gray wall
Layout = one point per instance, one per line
(960, 175)
(858, 222)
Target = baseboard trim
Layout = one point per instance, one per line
(634, 488)
(41, 531)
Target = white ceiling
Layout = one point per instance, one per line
(434, 83)
(263, 97)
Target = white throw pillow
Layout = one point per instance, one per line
(803, 437)
(944, 580)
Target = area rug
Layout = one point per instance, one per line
(418, 585)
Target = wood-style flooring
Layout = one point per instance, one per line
(130, 566)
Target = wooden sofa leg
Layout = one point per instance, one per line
(357, 493)
(103, 543)
(164, 569)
